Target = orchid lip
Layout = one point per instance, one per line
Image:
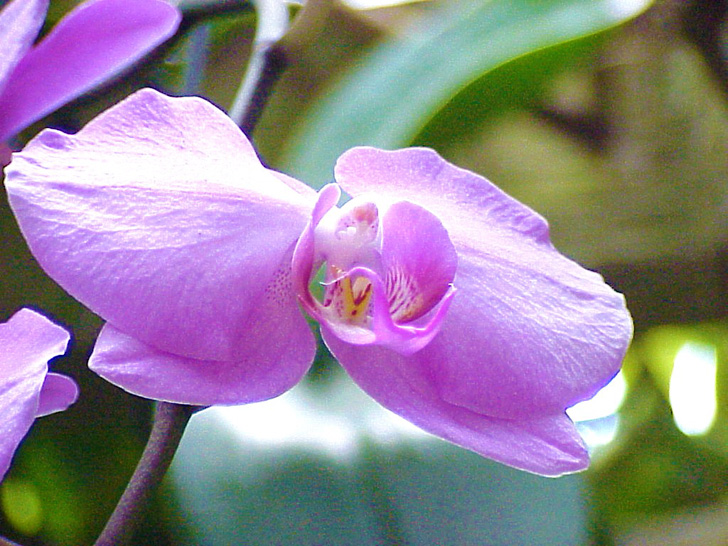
(405, 338)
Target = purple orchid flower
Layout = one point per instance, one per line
(440, 295)
(27, 390)
(92, 43)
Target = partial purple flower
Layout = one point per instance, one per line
(441, 296)
(89, 45)
(27, 389)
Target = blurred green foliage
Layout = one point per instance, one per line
(401, 84)
(364, 485)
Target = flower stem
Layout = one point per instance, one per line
(170, 421)
(198, 10)
(266, 64)
(5, 542)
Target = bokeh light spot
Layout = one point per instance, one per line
(692, 388)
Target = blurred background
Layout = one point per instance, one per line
(609, 117)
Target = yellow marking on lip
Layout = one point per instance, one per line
(355, 299)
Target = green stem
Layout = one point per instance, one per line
(170, 421)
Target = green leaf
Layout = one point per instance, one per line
(389, 97)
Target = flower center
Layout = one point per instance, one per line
(346, 238)
(383, 259)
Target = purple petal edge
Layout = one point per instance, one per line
(57, 394)
(20, 22)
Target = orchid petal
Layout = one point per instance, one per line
(58, 392)
(276, 351)
(92, 43)
(530, 332)
(304, 254)
(174, 236)
(543, 444)
(20, 23)
(296, 185)
(29, 341)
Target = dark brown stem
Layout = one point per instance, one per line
(170, 421)
(273, 62)
(704, 23)
(267, 63)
